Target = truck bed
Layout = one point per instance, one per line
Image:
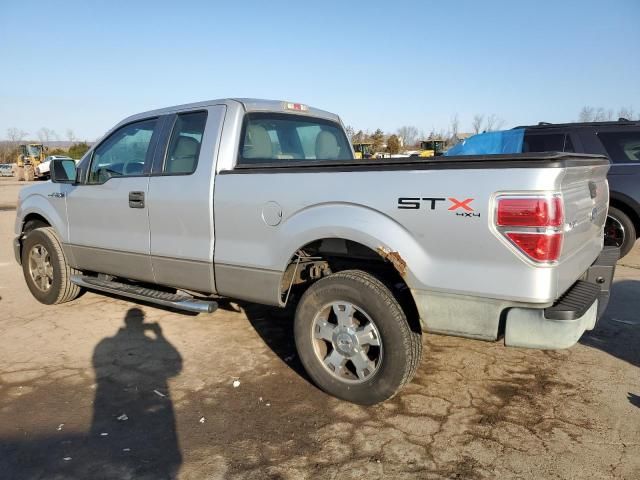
(520, 160)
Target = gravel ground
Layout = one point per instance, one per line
(106, 388)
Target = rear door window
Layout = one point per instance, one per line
(285, 138)
(184, 146)
(622, 147)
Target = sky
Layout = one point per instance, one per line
(86, 65)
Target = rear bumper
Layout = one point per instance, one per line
(562, 324)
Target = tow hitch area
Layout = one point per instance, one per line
(562, 324)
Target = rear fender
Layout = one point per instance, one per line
(360, 224)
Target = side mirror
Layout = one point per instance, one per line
(63, 171)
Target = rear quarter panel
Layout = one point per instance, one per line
(443, 251)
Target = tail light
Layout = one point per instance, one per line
(530, 212)
(532, 224)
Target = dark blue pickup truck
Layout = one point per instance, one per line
(619, 140)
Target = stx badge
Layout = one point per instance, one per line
(431, 203)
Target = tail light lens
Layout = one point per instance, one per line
(533, 224)
(541, 247)
(530, 212)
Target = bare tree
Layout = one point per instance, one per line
(43, 134)
(408, 134)
(626, 112)
(46, 134)
(359, 137)
(348, 129)
(15, 135)
(454, 126)
(602, 115)
(493, 123)
(8, 151)
(437, 134)
(476, 125)
(586, 114)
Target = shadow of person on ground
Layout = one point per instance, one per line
(133, 430)
(618, 331)
(133, 417)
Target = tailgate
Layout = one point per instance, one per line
(586, 198)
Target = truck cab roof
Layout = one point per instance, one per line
(247, 104)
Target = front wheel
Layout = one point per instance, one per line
(353, 338)
(45, 268)
(619, 231)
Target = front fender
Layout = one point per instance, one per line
(357, 223)
(37, 203)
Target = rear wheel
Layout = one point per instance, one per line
(45, 268)
(619, 231)
(353, 338)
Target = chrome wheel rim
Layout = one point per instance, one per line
(347, 342)
(614, 232)
(40, 268)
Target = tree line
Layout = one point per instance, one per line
(408, 137)
(10, 149)
(600, 114)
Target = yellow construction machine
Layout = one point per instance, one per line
(30, 156)
(363, 149)
(431, 148)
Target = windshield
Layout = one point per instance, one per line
(34, 150)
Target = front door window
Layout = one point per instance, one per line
(124, 153)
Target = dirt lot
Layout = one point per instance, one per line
(106, 388)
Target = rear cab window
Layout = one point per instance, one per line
(621, 146)
(280, 138)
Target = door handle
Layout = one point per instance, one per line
(136, 199)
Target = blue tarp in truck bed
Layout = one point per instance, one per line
(490, 143)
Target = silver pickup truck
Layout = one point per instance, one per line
(264, 201)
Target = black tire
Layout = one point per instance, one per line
(618, 223)
(400, 350)
(60, 288)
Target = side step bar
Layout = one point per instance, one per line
(180, 301)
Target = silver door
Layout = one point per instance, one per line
(108, 217)
(181, 201)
